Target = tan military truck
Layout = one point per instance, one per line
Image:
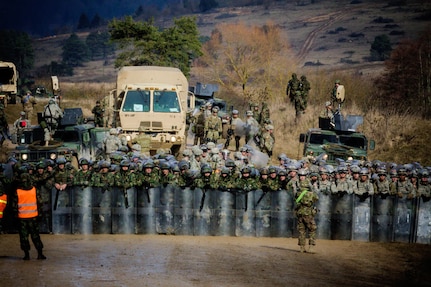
(149, 104)
(8, 83)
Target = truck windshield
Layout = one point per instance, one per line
(137, 101)
(166, 102)
(322, 139)
(66, 136)
(357, 142)
(6, 76)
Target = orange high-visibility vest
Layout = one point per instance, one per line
(3, 202)
(27, 203)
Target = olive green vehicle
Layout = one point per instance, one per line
(8, 83)
(149, 104)
(341, 142)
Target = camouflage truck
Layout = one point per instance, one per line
(73, 139)
(8, 83)
(339, 142)
(149, 104)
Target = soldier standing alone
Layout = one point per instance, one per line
(98, 112)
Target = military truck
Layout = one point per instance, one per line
(8, 83)
(149, 104)
(73, 139)
(339, 140)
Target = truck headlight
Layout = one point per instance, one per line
(173, 139)
(53, 156)
(24, 156)
(128, 138)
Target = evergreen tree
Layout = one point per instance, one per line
(97, 21)
(16, 47)
(75, 51)
(205, 5)
(144, 44)
(84, 22)
(99, 46)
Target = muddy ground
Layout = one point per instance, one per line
(162, 260)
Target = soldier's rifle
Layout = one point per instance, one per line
(57, 191)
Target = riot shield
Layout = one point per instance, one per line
(262, 208)
(323, 216)
(201, 212)
(282, 214)
(148, 199)
(124, 210)
(102, 212)
(423, 231)
(165, 210)
(183, 211)
(382, 218)
(223, 222)
(341, 217)
(81, 210)
(62, 211)
(361, 223)
(45, 219)
(245, 224)
(404, 220)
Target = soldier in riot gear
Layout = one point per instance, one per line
(403, 187)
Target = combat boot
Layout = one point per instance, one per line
(26, 255)
(311, 249)
(40, 255)
(302, 249)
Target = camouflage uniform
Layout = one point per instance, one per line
(267, 140)
(123, 179)
(246, 182)
(103, 181)
(98, 112)
(81, 180)
(402, 187)
(199, 126)
(213, 127)
(63, 178)
(305, 87)
(29, 226)
(305, 212)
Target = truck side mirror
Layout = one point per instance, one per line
(372, 144)
(86, 138)
(302, 138)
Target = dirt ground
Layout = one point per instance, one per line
(163, 260)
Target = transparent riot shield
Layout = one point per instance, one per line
(124, 210)
(102, 211)
(404, 219)
(224, 213)
(341, 216)
(201, 212)
(148, 199)
(45, 219)
(165, 210)
(62, 211)
(361, 223)
(183, 211)
(423, 230)
(82, 210)
(245, 224)
(323, 216)
(382, 218)
(262, 209)
(282, 214)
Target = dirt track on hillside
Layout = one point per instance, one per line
(159, 260)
